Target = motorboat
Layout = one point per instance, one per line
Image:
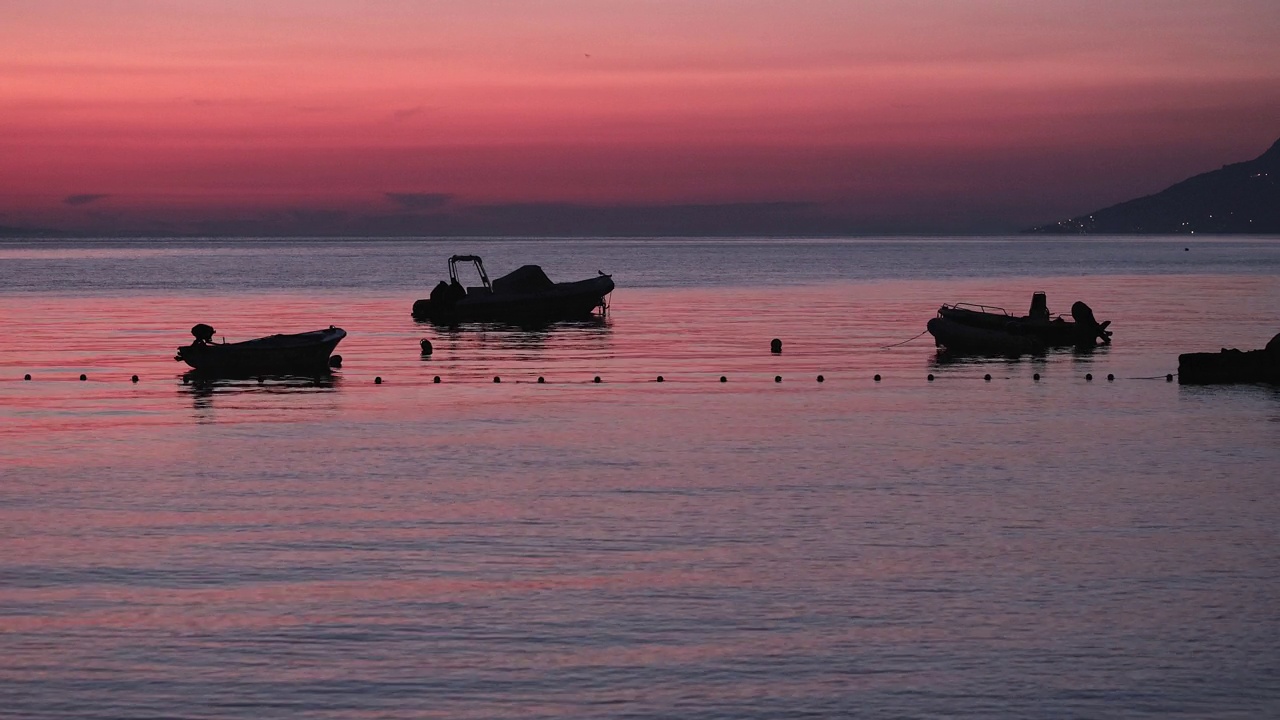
(984, 329)
(293, 354)
(521, 296)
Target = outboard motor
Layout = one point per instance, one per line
(1039, 306)
(203, 333)
(1083, 315)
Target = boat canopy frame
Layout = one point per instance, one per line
(453, 269)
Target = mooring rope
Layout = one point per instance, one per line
(904, 342)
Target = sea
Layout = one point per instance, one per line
(854, 527)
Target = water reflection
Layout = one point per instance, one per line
(1077, 354)
(202, 388)
(505, 336)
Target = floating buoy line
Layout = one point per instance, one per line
(599, 380)
(775, 348)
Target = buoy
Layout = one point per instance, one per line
(1036, 377)
(596, 379)
(27, 376)
(724, 379)
(377, 380)
(436, 379)
(775, 346)
(821, 379)
(1168, 378)
(497, 379)
(426, 346)
(133, 379)
(777, 378)
(877, 377)
(1088, 377)
(987, 377)
(659, 378)
(930, 377)
(83, 377)
(1110, 377)
(540, 380)
(335, 362)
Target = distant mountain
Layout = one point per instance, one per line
(1239, 198)
(24, 232)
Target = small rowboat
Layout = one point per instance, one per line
(296, 354)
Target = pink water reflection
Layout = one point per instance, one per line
(480, 549)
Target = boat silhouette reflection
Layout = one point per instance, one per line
(532, 325)
(945, 357)
(527, 336)
(203, 386)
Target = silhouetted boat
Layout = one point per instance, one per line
(297, 354)
(982, 329)
(524, 295)
(1231, 366)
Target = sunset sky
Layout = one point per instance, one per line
(563, 117)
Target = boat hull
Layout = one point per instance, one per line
(297, 354)
(960, 337)
(562, 301)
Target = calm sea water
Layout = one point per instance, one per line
(746, 549)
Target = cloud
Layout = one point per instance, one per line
(92, 69)
(320, 217)
(710, 219)
(84, 198)
(317, 109)
(419, 201)
(406, 113)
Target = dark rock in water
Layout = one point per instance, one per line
(1239, 198)
(1231, 366)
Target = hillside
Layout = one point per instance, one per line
(1239, 198)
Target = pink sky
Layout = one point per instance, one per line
(440, 115)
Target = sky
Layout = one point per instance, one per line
(618, 117)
